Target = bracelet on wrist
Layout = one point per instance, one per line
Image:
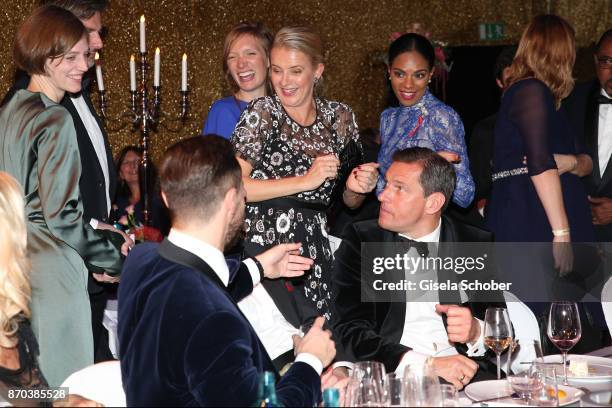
(259, 268)
(561, 232)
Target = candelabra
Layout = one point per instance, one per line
(146, 116)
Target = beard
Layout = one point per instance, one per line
(235, 231)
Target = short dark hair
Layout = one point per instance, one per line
(82, 9)
(195, 175)
(49, 32)
(607, 36)
(504, 60)
(437, 174)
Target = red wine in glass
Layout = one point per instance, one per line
(564, 329)
(563, 344)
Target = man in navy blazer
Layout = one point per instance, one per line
(182, 338)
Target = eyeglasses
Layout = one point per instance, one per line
(604, 62)
(131, 163)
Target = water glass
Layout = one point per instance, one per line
(536, 385)
(449, 395)
(369, 370)
(368, 393)
(394, 387)
(548, 394)
(366, 385)
(421, 387)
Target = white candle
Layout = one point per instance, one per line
(156, 70)
(184, 73)
(132, 73)
(99, 73)
(143, 47)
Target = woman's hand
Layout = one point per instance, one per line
(323, 168)
(127, 245)
(450, 156)
(566, 163)
(363, 178)
(563, 255)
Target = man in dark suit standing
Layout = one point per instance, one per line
(183, 339)
(98, 176)
(419, 185)
(589, 109)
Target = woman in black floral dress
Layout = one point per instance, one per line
(298, 154)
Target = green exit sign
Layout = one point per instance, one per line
(491, 31)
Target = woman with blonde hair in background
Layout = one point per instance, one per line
(18, 347)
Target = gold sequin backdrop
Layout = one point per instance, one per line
(353, 31)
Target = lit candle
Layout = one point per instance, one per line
(156, 70)
(99, 73)
(132, 73)
(184, 73)
(143, 47)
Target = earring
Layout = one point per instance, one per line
(316, 80)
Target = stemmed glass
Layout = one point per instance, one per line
(564, 329)
(497, 332)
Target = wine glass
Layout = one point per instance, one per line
(564, 329)
(497, 332)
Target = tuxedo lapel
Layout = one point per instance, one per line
(112, 172)
(183, 257)
(592, 120)
(397, 310)
(591, 134)
(173, 253)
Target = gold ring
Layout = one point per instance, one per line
(462, 378)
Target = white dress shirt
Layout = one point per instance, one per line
(604, 134)
(97, 140)
(424, 330)
(274, 331)
(215, 259)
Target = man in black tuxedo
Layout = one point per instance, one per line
(183, 339)
(98, 175)
(589, 109)
(419, 186)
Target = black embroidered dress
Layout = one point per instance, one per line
(277, 147)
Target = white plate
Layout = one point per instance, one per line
(498, 388)
(600, 368)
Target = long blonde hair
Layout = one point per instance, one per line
(547, 52)
(15, 288)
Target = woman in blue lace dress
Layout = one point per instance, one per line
(418, 118)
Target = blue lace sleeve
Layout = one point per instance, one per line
(448, 135)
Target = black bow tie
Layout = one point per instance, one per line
(603, 99)
(421, 247)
